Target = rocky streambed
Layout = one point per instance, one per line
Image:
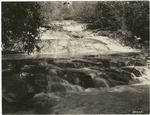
(111, 83)
(76, 71)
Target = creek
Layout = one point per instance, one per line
(89, 75)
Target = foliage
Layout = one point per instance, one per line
(137, 19)
(20, 21)
(129, 17)
(84, 11)
(52, 11)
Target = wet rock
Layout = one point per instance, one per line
(114, 79)
(138, 71)
(76, 63)
(122, 73)
(127, 63)
(38, 81)
(74, 76)
(89, 62)
(105, 62)
(78, 78)
(31, 92)
(138, 62)
(120, 64)
(148, 62)
(132, 69)
(148, 58)
(119, 77)
(52, 72)
(113, 64)
(33, 69)
(14, 89)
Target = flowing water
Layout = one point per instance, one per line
(115, 91)
(121, 99)
(57, 84)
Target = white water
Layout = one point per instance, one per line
(85, 44)
(73, 28)
(98, 45)
(56, 84)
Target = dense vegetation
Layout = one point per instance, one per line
(128, 20)
(20, 21)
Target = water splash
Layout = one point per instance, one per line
(140, 73)
(100, 82)
(57, 84)
(145, 75)
(62, 87)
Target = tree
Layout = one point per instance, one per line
(84, 11)
(20, 21)
(137, 19)
(52, 11)
(128, 17)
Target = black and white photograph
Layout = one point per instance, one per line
(75, 57)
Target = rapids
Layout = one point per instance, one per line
(56, 83)
(82, 74)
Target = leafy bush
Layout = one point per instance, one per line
(129, 19)
(20, 21)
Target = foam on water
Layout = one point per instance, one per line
(73, 28)
(145, 75)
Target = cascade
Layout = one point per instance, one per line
(56, 83)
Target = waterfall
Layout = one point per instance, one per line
(100, 82)
(140, 73)
(57, 84)
(62, 87)
(145, 75)
(110, 78)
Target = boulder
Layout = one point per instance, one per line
(74, 76)
(14, 89)
(119, 77)
(38, 81)
(138, 71)
(33, 69)
(114, 79)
